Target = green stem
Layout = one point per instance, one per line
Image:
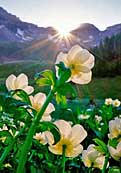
(6, 152)
(9, 147)
(63, 159)
(28, 142)
(90, 170)
(120, 164)
(105, 163)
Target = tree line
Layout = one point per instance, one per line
(108, 57)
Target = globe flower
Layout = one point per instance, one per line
(114, 128)
(80, 62)
(116, 103)
(115, 152)
(20, 82)
(71, 137)
(44, 138)
(93, 158)
(108, 101)
(37, 102)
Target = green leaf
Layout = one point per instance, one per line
(64, 74)
(23, 95)
(114, 169)
(7, 134)
(46, 77)
(43, 82)
(102, 147)
(113, 142)
(33, 169)
(61, 99)
(67, 89)
(49, 126)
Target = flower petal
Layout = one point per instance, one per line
(40, 98)
(64, 127)
(56, 149)
(10, 82)
(78, 134)
(73, 52)
(61, 57)
(46, 117)
(85, 159)
(49, 137)
(90, 62)
(82, 56)
(82, 78)
(31, 99)
(119, 148)
(21, 81)
(113, 152)
(28, 89)
(83, 69)
(50, 108)
(74, 152)
(99, 162)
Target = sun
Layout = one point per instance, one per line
(63, 32)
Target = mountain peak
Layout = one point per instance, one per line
(3, 10)
(7, 17)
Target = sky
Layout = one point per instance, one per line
(66, 14)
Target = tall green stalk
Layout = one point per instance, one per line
(120, 164)
(90, 170)
(28, 142)
(105, 163)
(63, 159)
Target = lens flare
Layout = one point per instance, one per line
(63, 32)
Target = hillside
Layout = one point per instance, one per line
(23, 41)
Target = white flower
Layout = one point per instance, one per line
(108, 101)
(116, 103)
(20, 82)
(98, 118)
(71, 137)
(83, 116)
(37, 102)
(114, 128)
(93, 158)
(44, 138)
(115, 152)
(80, 62)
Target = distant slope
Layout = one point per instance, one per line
(23, 41)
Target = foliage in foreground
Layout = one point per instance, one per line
(39, 136)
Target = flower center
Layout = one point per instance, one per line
(72, 66)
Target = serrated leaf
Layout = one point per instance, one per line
(46, 77)
(43, 82)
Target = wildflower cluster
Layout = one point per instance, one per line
(33, 136)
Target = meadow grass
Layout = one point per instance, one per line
(98, 88)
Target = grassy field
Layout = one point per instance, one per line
(98, 88)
